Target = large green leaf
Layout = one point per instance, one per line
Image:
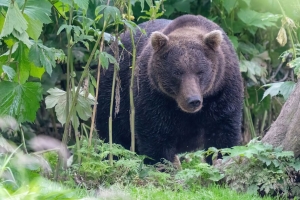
(20, 100)
(260, 20)
(23, 64)
(58, 99)
(34, 28)
(14, 20)
(283, 88)
(38, 10)
(15, 24)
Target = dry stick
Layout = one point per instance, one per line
(132, 109)
(97, 92)
(69, 64)
(98, 83)
(84, 73)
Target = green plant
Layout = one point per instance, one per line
(259, 167)
(196, 171)
(20, 178)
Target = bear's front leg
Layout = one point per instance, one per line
(223, 133)
(155, 149)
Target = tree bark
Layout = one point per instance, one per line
(285, 131)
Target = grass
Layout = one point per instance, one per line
(149, 192)
(211, 193)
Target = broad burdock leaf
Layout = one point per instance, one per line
(283, 88)
(58, 98)
(260, 20)
(20, 101)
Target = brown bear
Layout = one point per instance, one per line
(187, 89)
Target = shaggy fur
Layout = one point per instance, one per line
(188, 89)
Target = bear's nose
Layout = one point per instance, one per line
(194, 102)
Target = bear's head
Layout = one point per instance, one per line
(184, 65)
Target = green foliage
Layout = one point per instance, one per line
(259, 167)
(19, 177)
(196, 172)
(24, 58)
(35, 34)
(20, 100)
(94, 168)
(283, 88)
(255, 19)
(58, 99)
(43, 56)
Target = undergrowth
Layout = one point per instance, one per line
(251, 170)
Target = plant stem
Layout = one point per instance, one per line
(84, 74)
(23, 139)
(110, 114)
(96, 97)
(68, 66)
(132, 109)
(69, 54)
(24, 6)
(113, 90)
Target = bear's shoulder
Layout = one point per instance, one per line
(190, 21)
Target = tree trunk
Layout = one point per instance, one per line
(285, 131)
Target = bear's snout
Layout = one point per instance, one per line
(194, 102)
(190, 104)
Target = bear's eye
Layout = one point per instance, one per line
(199, 73)
(178, 72)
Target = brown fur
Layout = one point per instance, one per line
(185, 38)
(187, 91)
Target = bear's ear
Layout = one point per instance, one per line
(158, 40)
(213, 39)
